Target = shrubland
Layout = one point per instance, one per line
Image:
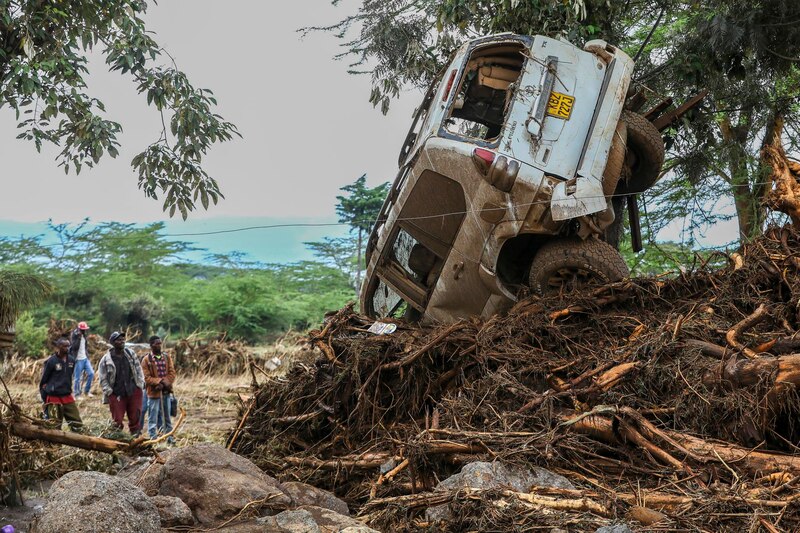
(124, 276)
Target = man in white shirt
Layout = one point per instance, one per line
(78, 349)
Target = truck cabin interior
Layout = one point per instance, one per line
(486, 90)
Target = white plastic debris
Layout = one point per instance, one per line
(273, 363)
(382, 328)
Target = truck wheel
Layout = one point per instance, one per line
(569, 264)
(645, 154)
(616, 159)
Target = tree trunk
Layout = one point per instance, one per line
(740, 458)
(772, 138)
(28, 431)
(358, 262)
(748, 211)
(783, 194)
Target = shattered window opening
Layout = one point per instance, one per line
(386, 302)
(417, 261)
(486, 89)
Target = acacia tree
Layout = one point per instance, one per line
(747, 54)
(43, 64)
(338, 252)
(359, 209)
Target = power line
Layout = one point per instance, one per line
(248, 228)
(335, 224)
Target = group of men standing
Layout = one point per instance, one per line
(131, 386)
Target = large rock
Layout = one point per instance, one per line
(88, 502)
(145, 472)
(173, 511)
(483, 475)
(614, 528)
(312, 519)
(216, 484)
(305, 494)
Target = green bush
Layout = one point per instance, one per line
(31, 339)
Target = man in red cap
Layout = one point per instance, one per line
(79, 350)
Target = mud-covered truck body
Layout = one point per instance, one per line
(507, 178)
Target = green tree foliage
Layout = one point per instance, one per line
(120, 275)
(43, 64)
(406, 42)
(31, 337)
(338, 252)
(359, 209)
(746, 54)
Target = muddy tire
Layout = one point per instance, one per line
(616, 159)
(645, 154)
(568, 264)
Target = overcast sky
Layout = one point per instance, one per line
(307, 126)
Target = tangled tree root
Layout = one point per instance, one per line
(676, 396)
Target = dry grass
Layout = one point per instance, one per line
(210, 402)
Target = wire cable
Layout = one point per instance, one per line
(334, 224)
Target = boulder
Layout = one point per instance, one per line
(305, 494)
(85, 502)
(145, 472)
(484, 475)
(312, 519)
(614, 528)
(173, 511)
(216, 484)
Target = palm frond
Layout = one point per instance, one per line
(19, 291)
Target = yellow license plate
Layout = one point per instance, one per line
(560, 105)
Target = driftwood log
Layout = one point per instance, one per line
(28, 431)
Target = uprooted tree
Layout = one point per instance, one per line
(43, 64)
(669, 400)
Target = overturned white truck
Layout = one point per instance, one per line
(509, 178)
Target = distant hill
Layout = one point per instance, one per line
(268, 245)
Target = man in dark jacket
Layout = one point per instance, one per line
(122, 382)
(56, 386)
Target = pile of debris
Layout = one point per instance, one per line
(63, 327)
(662, 401)
(218, 356)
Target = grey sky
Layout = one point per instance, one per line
(307, 125)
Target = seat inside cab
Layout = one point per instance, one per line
(486, 91)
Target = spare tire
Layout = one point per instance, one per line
(645, 154)
(569, 264)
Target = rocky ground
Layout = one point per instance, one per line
(211, 404)
(198, 487)
(204, 487)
